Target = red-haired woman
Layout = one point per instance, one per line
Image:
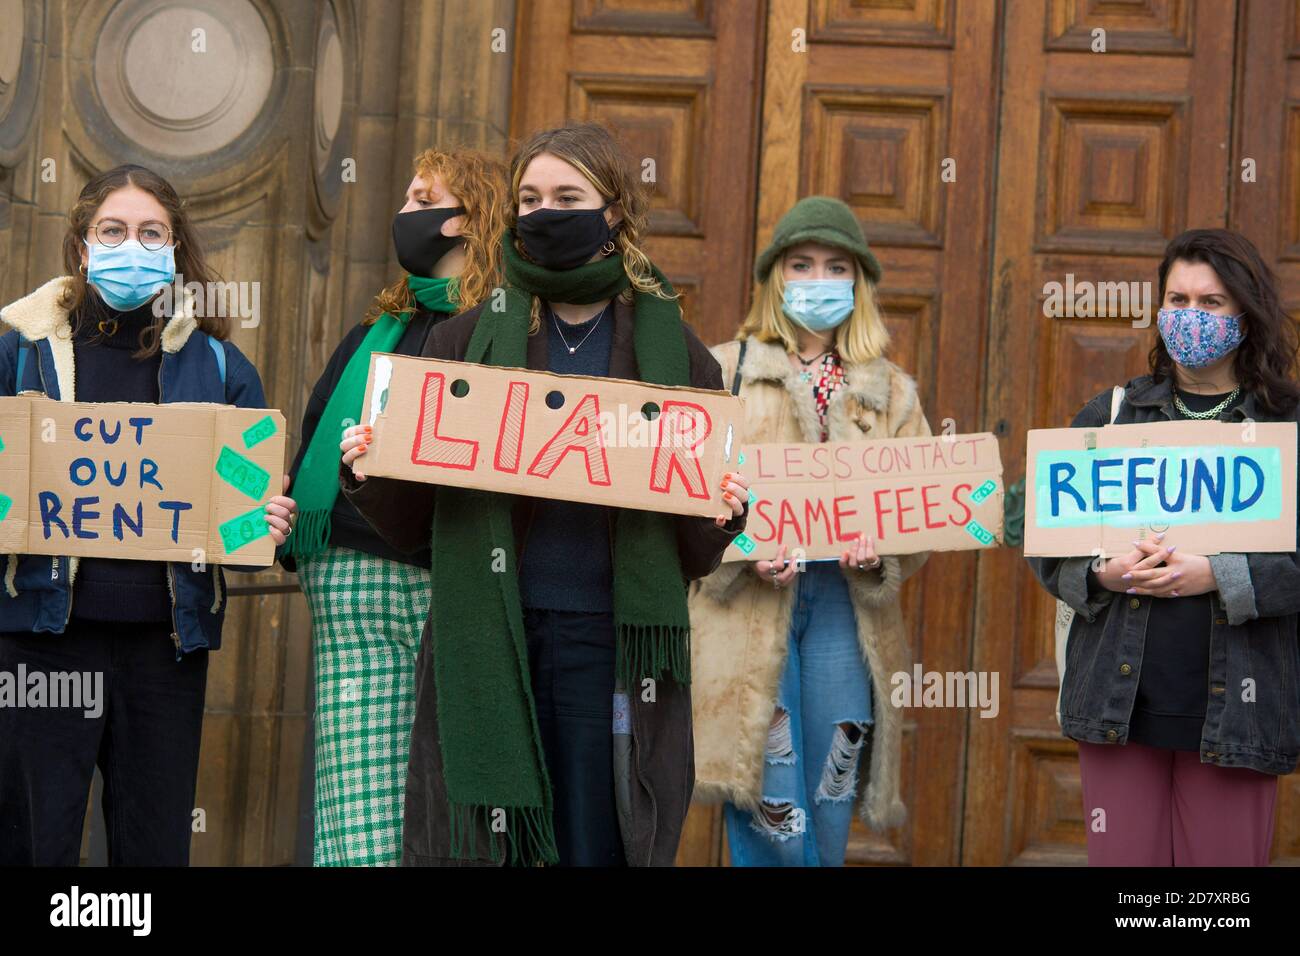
(369, 600)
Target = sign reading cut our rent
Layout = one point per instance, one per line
(1212, 486)
(178, 482)
(569, 437)
(933, 493)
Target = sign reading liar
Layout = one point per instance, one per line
(570, 437)
(1213, 486)
(937, 493)
(180, 482)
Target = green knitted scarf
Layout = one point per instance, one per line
(316, 485)
(494, 766)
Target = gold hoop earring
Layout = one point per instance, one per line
(608, 248)
(82, 267)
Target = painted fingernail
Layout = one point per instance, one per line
(1131, 591)
(1160, 536)
(1175, 593)
(1126, 576)
(1135, 544)
(1172, 547)
(727, 496)
(1176, 574)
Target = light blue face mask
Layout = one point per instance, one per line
(818, 304)
(128, 276)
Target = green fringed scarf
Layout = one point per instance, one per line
(494, 765)
(316, 485)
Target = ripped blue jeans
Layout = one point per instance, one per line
(816, 737)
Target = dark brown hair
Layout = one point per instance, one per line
(1265, 362)
(190, 262)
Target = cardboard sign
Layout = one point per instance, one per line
(570, 437)
(1215, 486)
(177, 482)
(938, 493)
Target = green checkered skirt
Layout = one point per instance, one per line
(367, 617)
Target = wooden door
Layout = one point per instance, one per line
(677, 82)
(1102, 157)
(873, 103)
(1263, 175)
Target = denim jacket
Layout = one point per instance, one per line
(37, 592)
(1253, 637)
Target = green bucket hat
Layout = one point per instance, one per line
(821, 219)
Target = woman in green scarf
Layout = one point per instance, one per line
(368, 600)
(553, 716)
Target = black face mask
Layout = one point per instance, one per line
(419, 239)
(564, 238)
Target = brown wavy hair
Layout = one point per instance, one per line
(592, 150)
(478, 180)
(1265, 362)
(190, 261)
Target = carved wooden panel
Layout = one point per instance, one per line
(1115, 178)
(880, 153)
(663, 125)
(684, 18)
(1047, 827)
(1290, 212)
(1149, 27)
(676, 82)
(885, 22)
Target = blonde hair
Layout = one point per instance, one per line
(478, 181)
(860, 339)
(592, 150)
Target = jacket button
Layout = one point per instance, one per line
(1112, 735)
(1217, 690)
(1125, 668)
(1134, 603)
(1220, 620)
(1211, 754)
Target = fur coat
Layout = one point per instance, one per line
(740, 624)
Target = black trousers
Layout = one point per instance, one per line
(145, 740)
(571, 658)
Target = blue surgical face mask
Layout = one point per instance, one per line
(818, 304)
(128, 276)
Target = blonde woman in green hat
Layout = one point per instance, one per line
(791, 670)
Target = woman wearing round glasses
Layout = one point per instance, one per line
(102, 333)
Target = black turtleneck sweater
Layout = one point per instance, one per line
(107, 371)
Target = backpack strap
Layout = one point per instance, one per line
(24, 347)
(1116, 400)
(219, 351)
(740, 360)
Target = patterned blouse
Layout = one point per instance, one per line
(827, 378)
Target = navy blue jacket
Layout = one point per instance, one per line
(36, 592)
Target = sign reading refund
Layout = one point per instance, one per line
(1223, 486)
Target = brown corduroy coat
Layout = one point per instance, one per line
(740, 624)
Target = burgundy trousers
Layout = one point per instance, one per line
(1145, 806)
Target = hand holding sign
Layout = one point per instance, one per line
(735, 492)
(280, 510)
(355, 442)
(1155, 569)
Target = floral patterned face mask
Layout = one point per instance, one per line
(1196, 338)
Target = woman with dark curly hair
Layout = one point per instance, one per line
(1181, 679)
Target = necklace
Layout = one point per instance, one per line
(806, 375)
(574, 348)
(1209, 412)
